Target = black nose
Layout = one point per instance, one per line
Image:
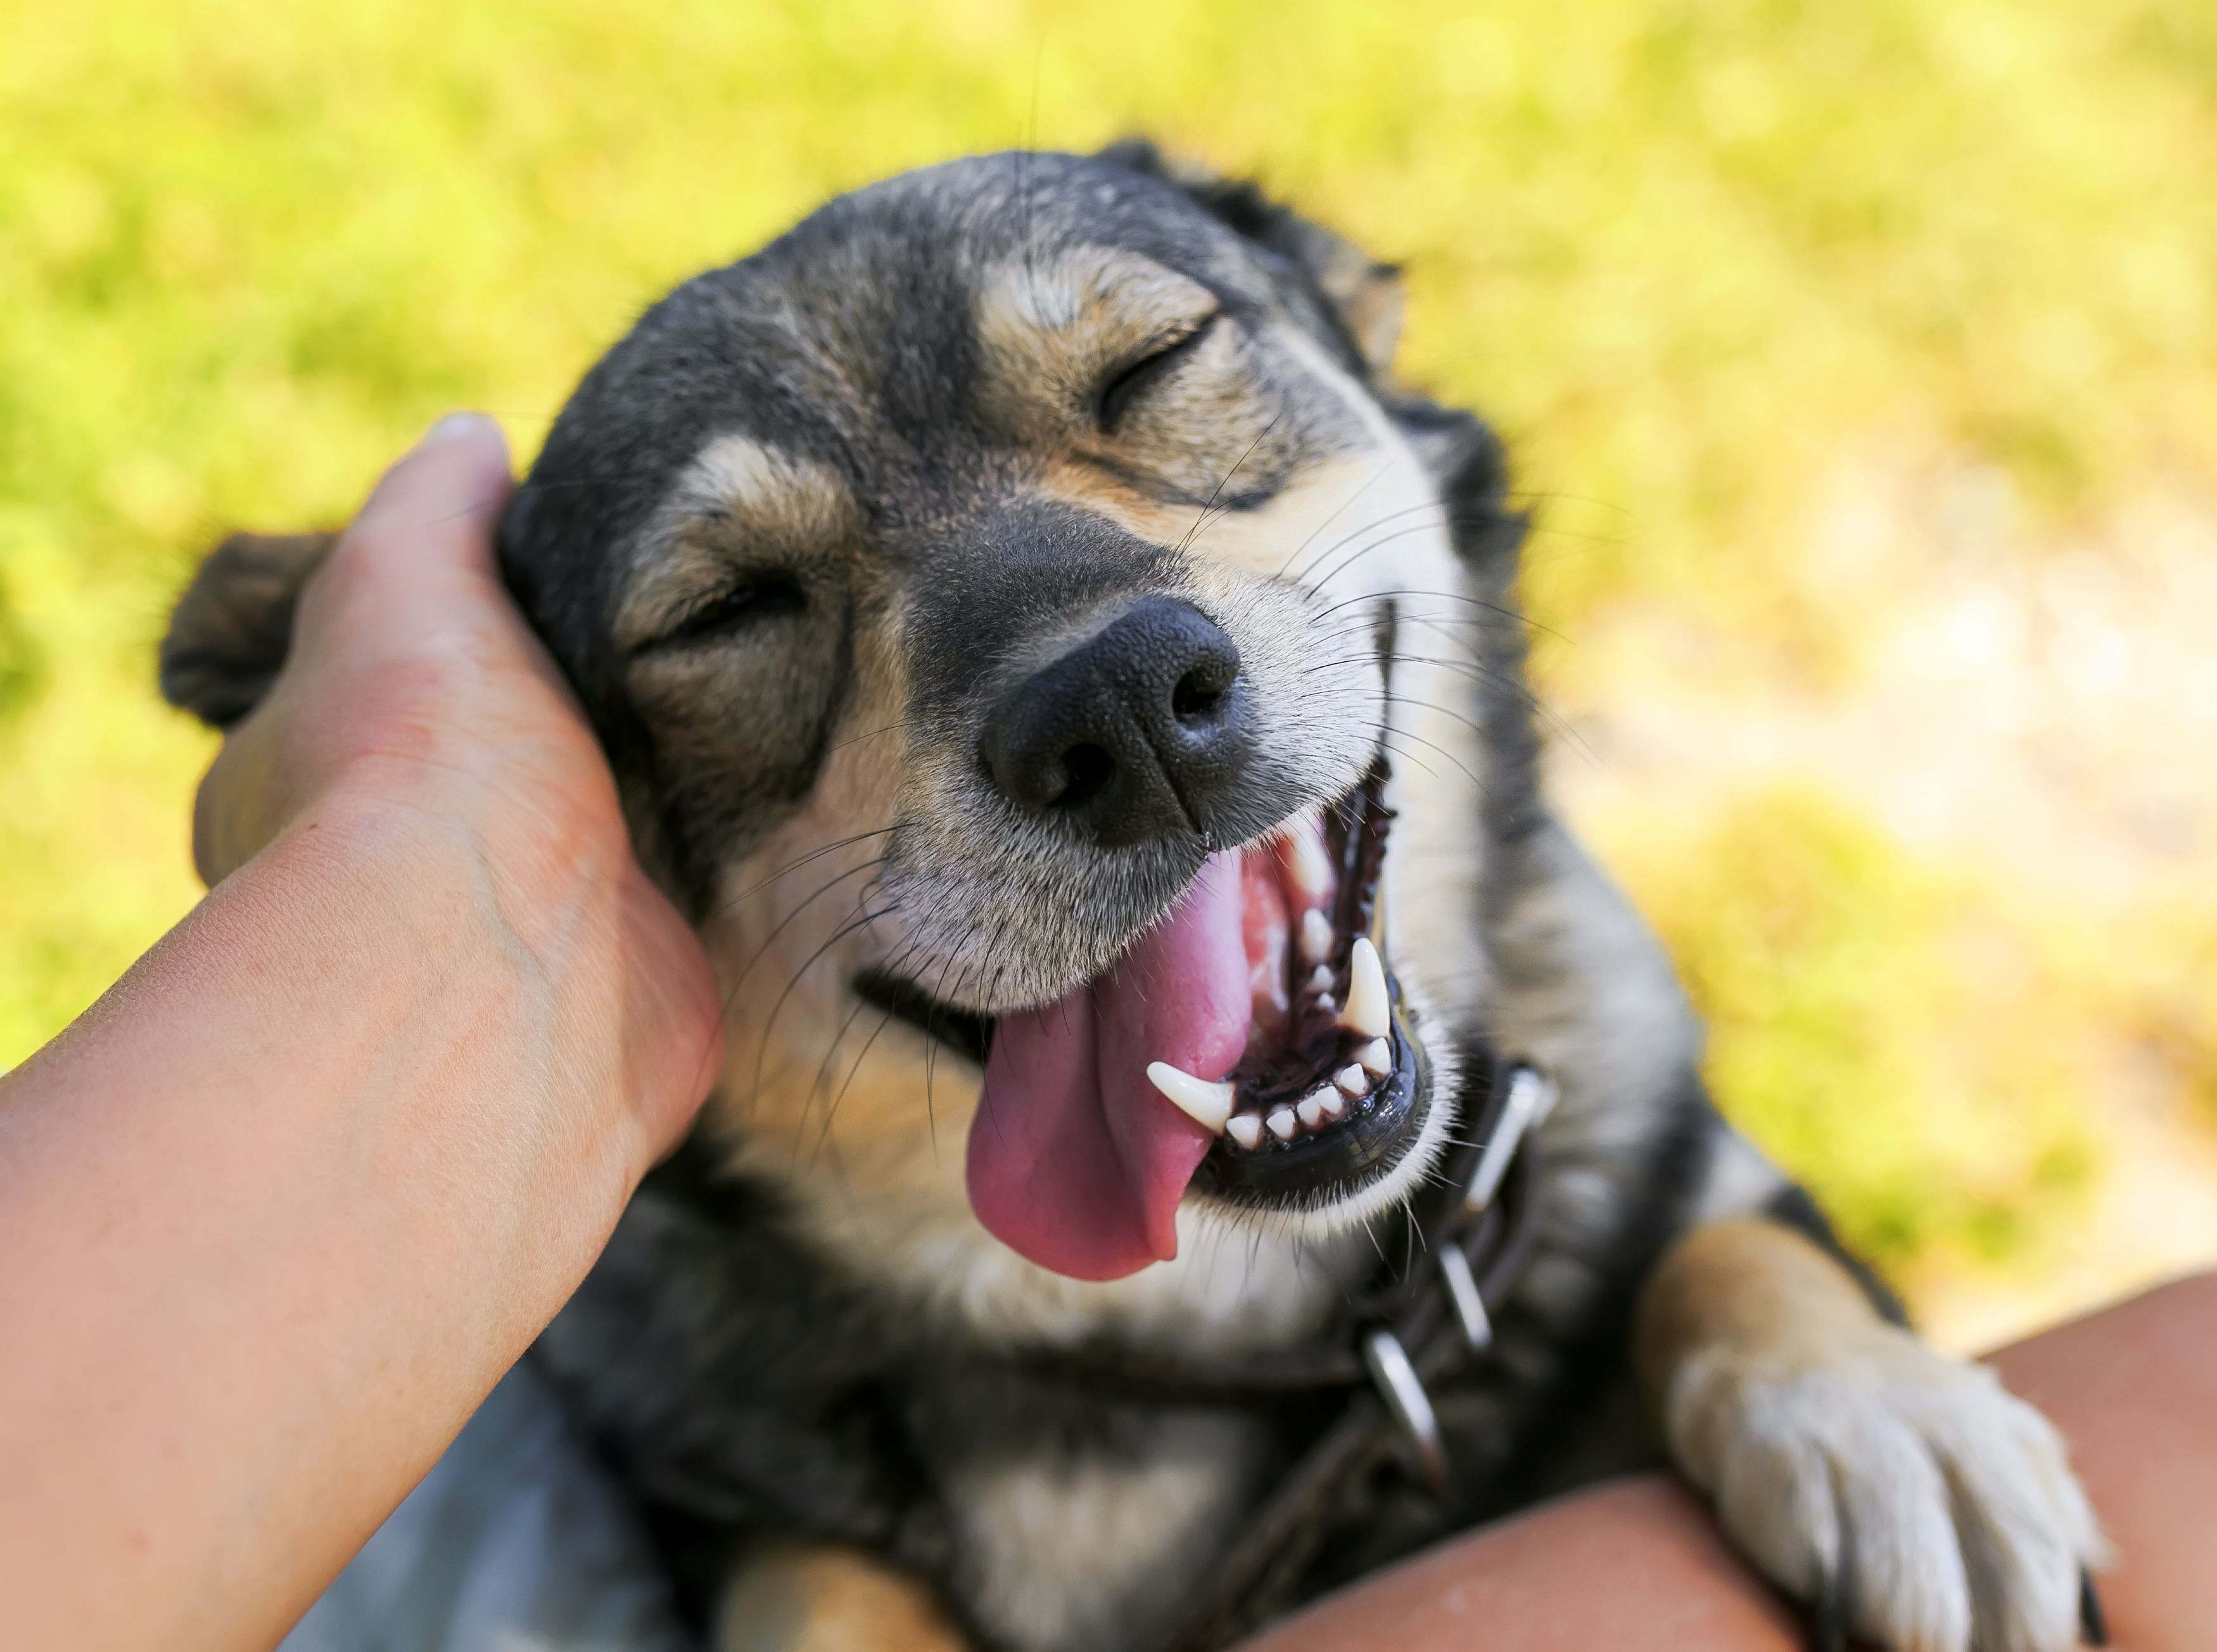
(1140, 732)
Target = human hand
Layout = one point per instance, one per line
(290, 1197)
(414, 703)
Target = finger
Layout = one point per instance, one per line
(448, 487)
(426, 528)
(412, 575)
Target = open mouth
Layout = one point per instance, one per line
(1331, 1080)
(1251, 1045)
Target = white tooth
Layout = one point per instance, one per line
(1316, 936)
(1207, 1105)
(1367, 1011)
(1377, 1058)
(1311, 1109)
(1331, 1104)
(1325, 1002)
(1282, 1123)
(1311, 866)
(1246, 1130)
(1352, 1079)
(1320, 979)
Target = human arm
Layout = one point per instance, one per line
(279, 1209)
(1638, 1563)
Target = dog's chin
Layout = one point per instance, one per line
(1339, 1105)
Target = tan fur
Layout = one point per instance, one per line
(1749, 1286)
(1050, 328)
(737, 498)
(814, 1597)
(1370, 301)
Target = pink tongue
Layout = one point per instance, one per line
(1076, 1161)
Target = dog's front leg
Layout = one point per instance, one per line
(1905, 1495)
(817, 1598)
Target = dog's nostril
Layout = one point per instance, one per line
(1197, 695)
(1089, 770)
(1141, 731)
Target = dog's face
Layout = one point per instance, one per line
(1031, 644)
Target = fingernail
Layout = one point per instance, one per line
(453, 427)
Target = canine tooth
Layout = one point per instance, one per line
(1282, 1123)
(1311, 866)
(1316, 936)
(1367, 1011)
(1377, 1058)
(1311, 1109)
(1353, 1081)
(1246, 1130)
(1320, 979)
(1207, 1105)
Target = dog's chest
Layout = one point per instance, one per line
(1098, 1537)
(724, 1360)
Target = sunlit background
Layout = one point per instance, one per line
(1860, 363)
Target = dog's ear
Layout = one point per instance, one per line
(1360, 295)
(230, 631)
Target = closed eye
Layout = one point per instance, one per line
(1132, 378)
(740, 609)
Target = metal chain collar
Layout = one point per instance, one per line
(1428, 1321)
(1416, 1326)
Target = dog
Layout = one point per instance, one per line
(1077, 693)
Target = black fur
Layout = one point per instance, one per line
(233, 625)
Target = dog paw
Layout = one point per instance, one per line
(1909, 1498)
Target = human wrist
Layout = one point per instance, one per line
(335, 1150)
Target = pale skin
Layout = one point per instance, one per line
(279, 1211)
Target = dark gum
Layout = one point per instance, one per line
(1340, 1157)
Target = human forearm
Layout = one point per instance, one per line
(2134, 1389)
(279, 1209)
(363, 1114)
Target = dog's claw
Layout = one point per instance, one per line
(2093, 1624)
(1828, 1615)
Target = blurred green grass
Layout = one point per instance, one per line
(1683, 253)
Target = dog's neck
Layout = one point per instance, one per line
(1231, 1288)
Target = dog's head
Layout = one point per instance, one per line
(1029, 631)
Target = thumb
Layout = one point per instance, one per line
(451, 485)
(413, 573)
(426, 528)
